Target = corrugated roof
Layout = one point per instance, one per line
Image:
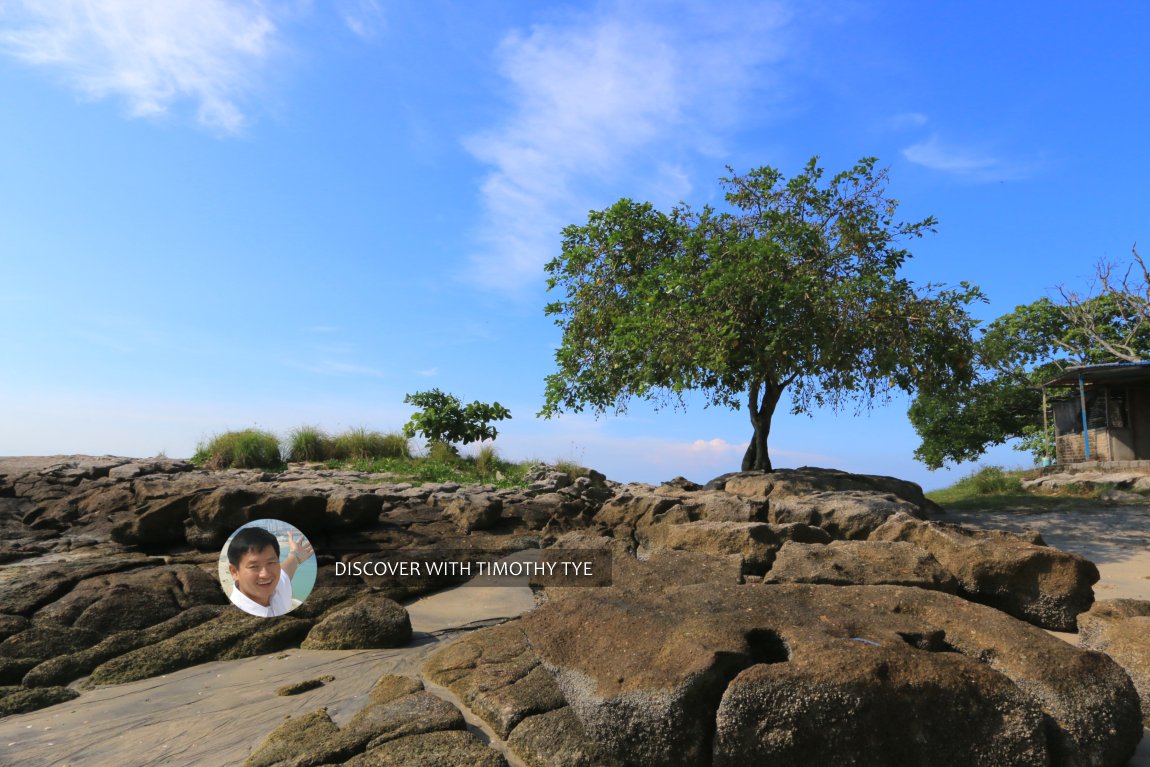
(1114, 372)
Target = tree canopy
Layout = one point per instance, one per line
(795, 288)
(1021, 350)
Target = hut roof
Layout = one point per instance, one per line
(1115, 372)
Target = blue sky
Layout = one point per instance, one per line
(218, 214)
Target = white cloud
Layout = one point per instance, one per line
(593, 101)
(363, 17)
(972, 164)
(714, 446)
(151, 53)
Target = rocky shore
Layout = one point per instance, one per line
(801, 616)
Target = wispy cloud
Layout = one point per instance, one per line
(965, 162)
(593, 101)
(363, 17)
(151, 53)
(906, 120)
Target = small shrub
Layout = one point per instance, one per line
(309, 443)
(444, 418)
(364, 445)
(247, 449)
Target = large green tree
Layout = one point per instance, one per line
(794, 288)
(1021, 350)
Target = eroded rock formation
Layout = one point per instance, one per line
(795, 617)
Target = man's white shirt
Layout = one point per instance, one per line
(280, 603)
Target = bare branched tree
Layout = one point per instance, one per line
(1116, 321)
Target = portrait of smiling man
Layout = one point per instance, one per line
(261, 583)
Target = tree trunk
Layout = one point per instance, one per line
(761, 404)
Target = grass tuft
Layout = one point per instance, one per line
(992, 480)
(487, 461)
(247, 449)
(364, 445)
(571, 468)
(308, 443)
(442, 452)
(361, 450)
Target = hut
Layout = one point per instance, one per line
(1101, 413)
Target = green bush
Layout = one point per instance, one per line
(247, 449)
(364, 445)
(309, 443)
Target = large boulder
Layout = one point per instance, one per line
(711, 506)
(1121, 629)
(374, 621)
(1012, 573)
(755, 542)
(632, 508)
(155, 523)
(808, 480)
(354, 510)
(686, 674)
(474, 511)
(845, 514)
(860, 563)
(498, 676)
(216, 515)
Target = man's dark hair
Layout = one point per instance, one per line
(251, 539)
